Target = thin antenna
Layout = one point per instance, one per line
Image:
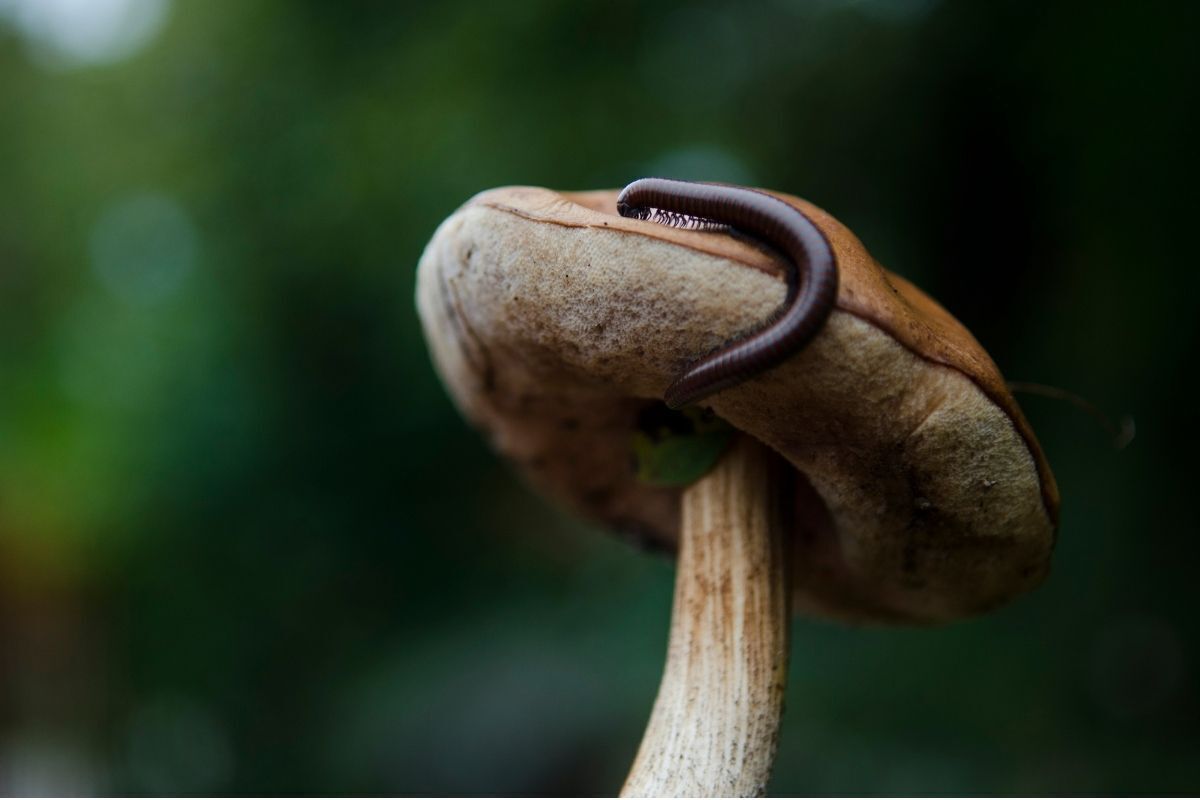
(1121, 433)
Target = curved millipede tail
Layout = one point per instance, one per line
(812, 277)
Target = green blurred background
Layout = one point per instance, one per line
(248, 546)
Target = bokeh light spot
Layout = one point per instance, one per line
(142, 247)
(83, 32)
(700, 163)
(33, 765)
(176, 746)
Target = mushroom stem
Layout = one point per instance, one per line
(714, 728)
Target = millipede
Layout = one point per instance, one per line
(812, 277)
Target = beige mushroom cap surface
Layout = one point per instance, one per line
(921, 494)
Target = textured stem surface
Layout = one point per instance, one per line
(715, 724)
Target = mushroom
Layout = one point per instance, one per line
(883, 473)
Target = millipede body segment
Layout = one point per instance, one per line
(812, 277)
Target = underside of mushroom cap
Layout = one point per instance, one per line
(921, 493)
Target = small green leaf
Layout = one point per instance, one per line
(676, 448)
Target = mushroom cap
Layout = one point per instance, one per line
(921, 494)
